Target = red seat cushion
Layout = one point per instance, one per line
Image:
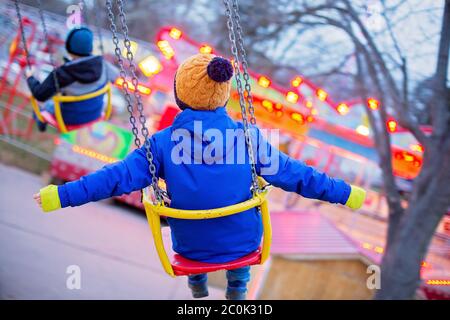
(183, 267)
(51, 120)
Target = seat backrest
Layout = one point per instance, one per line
(82, 109)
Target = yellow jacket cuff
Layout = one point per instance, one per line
(356, 198)
(50, 198)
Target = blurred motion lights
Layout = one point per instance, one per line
(363, 130)
(175, 33)
(392, 125)
(297, 117)
(416, 147)
(264, 81)
(292, 97)
(141, 88)
(150, 66)
(297, 82)
(321, 94)
(166, 49)
(206, 49)
(268, 105)
(437, 282)
(373, 103)
(342, 108)
(93, 154)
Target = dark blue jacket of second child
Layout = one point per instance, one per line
(76, 78)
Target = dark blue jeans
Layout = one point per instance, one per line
(237, 279)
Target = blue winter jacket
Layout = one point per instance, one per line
(201, 177)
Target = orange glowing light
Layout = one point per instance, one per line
(93, 154)
(314, 111)
(343, 108)
(278, 106)
(264, 81)
(141, 88)
(309, 104)
(378, 249)
(279, 114)
(297, 117)
(206, 49)
(175, 33)
(437, 282)
(310, 118)
(166, 49)
(297, 82)
(416, 147)
(292, 97)
(373, 103)
(367, 245)
(150, 66)
(13, 47)
(408, 157)
(321, 94)
(392, 125)
(267, 104)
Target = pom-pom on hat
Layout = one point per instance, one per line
(203, 82)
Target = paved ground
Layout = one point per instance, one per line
(111, 245)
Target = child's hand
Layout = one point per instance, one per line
(356, 198)
(37, 198)
(29, 72)
(48, 198)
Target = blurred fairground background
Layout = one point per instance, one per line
(358, 89)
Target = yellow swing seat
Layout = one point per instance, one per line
(181, 266)
(57, 120)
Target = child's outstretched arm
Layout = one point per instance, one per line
(115, 179)
(292, 175)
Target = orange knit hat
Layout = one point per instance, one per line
(203, 82)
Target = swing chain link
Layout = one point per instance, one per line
(49, 46)
(234, 50)
(100, 33)
(22, 32)
(245, 74)
(84, 12)
(137, 95)
(122, 73)
(98, 18)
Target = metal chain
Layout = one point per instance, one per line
(137, 96)
(98, 17)
(22, 32)
(49, 47)
(99, 32)
(122, 74)
(84, 12)
(237, 75)
(245, 74)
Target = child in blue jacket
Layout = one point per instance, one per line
(84, 73)
(203, 160)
